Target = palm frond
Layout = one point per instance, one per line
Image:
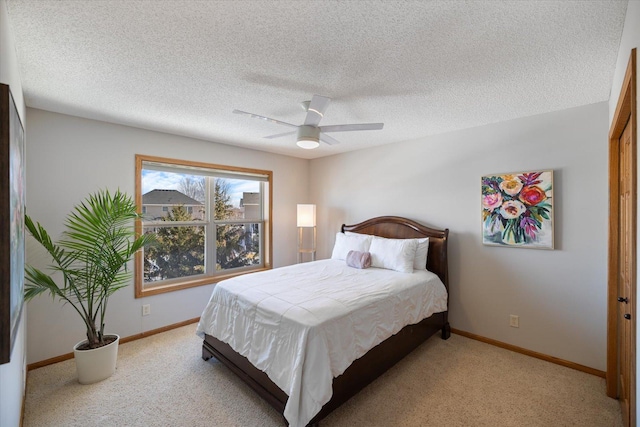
(92, 256)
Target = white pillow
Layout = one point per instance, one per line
(422, 250)
(352, 242)
(420, 261)
(393, 254)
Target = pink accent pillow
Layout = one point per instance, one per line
(358, 259)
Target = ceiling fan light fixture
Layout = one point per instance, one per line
(308, 137)
(308, 143)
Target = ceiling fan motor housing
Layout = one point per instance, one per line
(308, 136)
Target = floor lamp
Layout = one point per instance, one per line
(306, 219)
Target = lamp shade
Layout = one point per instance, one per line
(306, 215)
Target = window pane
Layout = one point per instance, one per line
(177, 252)
(173, 196)
(237, 199)
(237, 245)
(209, 221)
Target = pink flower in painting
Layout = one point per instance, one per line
(512, 209)
(491, 201)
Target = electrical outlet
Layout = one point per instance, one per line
(514, 321)
(146, 309)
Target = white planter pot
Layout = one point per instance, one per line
(97, 364)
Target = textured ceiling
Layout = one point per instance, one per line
(421, 67)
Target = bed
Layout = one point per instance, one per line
(346, 377)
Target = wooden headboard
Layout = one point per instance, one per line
(395, 227)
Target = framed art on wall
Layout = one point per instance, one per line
(517, 209)
(12, 201)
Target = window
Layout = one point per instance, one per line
(210, 221)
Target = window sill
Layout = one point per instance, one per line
(185, 284)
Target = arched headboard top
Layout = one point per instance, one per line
(395, 227)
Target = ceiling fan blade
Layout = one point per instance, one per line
(256, 116)
(316, 110)
(345, 128)
(329, 140)
(278, 135)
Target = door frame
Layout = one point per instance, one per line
(626, 112)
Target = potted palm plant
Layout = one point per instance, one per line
(90, 261)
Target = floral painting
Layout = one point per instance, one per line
(517, 210)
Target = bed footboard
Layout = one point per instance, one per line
(360, 374)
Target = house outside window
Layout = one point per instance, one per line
(210, 221)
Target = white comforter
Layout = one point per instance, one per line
(305, 324)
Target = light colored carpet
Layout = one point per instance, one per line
(162, 381)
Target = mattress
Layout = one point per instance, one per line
(305, 324)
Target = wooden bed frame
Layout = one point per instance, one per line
(380, 358)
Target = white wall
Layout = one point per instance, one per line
(630, 39)
(70, 157)
(559, 295)
(12, 374)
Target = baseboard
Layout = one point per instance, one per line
(497, 343)
(158, 331)
(531, 353)
(123, 340)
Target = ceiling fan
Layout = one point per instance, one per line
(309, 133)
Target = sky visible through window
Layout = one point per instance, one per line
(156, 180)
